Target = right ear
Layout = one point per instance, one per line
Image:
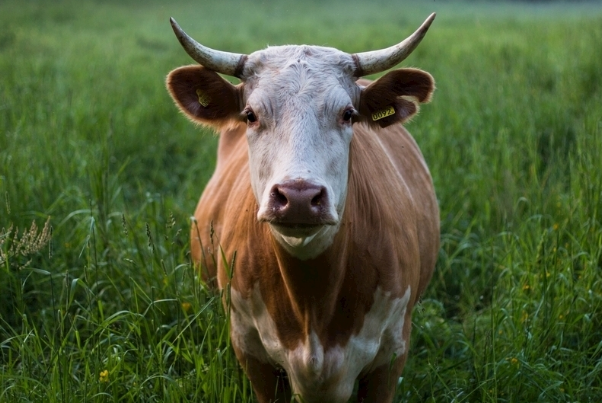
(204, 96)
(395, 97)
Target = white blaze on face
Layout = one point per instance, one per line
(300, 139)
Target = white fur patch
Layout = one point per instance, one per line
(316, 374)
(299, 95)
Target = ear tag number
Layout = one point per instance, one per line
(383, 113)
(203, 98)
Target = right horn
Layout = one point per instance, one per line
(380, 60)
(231, 64)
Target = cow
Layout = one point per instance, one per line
(320, 220)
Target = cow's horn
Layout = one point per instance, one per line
(231, 64)
(380, 60)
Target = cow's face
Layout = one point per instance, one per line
(299, 104)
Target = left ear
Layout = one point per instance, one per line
(395, 96)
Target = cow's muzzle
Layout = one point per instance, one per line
(298, 205)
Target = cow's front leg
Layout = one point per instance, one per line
(379, 385)
(269, 383)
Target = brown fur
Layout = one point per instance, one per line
(223, 98)
(403, 89)
(388, 238)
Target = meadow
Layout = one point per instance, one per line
(99, 175)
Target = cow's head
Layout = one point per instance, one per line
(299, 104)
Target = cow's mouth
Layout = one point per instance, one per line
(298, 229)
(296, 225)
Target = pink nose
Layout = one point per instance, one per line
(299, 202)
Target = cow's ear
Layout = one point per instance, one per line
(395, 96)
(204, 96)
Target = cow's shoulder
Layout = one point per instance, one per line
(226, 199)
(391, 201)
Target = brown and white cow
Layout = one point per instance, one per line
(328, 204)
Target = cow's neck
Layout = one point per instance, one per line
(313, 285)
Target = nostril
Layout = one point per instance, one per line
(279, 199)
(317, 199)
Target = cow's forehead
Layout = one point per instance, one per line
(278, 57)
(282, 71)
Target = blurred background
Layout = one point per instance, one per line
(99, 174)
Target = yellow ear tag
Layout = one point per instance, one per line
(383, 113)
(203, 98)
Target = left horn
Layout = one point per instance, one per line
(231, 64)
(380, 60)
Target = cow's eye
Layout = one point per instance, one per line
(251, 118)
(347, 115)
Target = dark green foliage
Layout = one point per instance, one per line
(90, 138)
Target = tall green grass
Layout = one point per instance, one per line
(105, 305)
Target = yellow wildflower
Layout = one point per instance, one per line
(104, 376)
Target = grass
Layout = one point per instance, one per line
(104, 305)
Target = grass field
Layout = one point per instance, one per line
(99, 174)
